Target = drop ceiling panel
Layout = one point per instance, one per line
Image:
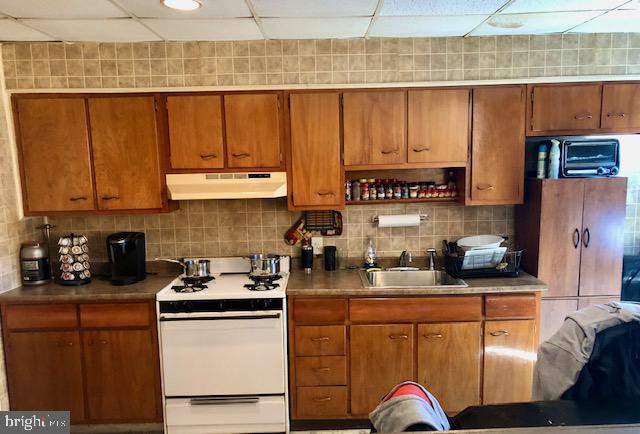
(312, 28)
(440, 7)
(526, 6)
(13, 31)
(107, 30)
(60, 9)
(425, 26)
(209, 9)
(614, 21)
(206, 30)
(314, 8)
(532, 24)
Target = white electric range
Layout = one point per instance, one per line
(223, 352)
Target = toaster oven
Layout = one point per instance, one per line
(589, 157)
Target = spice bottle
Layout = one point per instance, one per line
(347, 191)
(373, 190)
(381, 189)
(364, 191)
(355, 190)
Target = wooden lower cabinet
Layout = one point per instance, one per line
(100, 371)
(381, 357)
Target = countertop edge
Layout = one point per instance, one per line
(320, 292)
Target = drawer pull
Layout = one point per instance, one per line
(241, 155)
(426, 148)
(616, 115)
(110, 197)
(389, 151)
(326, 193)
(65, 344)
(320, 339)
(500, 333)
(224, 400)
(322, 398)
(208, 156)
(583, 116)
(485, 187)
(103, 342)
(322, 369)
(433, 336)
(398, 337)
(76, 198)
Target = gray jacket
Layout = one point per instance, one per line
(562, 357)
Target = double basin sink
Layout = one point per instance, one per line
(409, 278)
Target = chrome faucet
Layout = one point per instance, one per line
(432, 259)
(405, 259)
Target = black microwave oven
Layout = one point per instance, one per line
(580, 156)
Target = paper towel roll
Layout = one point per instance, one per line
(398, 221)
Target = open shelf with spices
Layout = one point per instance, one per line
(396, 201)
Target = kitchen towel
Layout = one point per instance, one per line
(398, 221)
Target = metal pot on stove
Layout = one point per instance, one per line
(263, 264)
(192, 267)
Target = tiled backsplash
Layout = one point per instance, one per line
(337, 61)
(238, 227)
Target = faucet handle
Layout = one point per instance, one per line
(432, 258)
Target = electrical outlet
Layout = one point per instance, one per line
(317, 243)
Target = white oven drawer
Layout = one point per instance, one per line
(255, 414)
(239, 353)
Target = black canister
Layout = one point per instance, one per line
(329, 258)
(34, 263)
(307, 257)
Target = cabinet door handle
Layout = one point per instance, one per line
(322, 369)
(389, 151)
(65, 344)
(104, 342)
(500, 333)
(586, 237)
(485, 187)
(208, 156)
(398, 336)
(110, 197)
(76, 198)
(433, 336)
(425, 148)
(241, 155)
(320, 339)
(322, 398)
(326, 193)
(576, 238)
(616, 115)
(583, 116)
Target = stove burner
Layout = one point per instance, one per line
(263, 283)
(193, 284)
(193, 280)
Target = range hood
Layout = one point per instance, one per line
(197, 186)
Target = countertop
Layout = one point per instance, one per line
(99, 289)
(347, 283)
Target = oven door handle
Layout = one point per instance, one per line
(224, 400)
(221, 318)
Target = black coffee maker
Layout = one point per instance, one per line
(126, 252)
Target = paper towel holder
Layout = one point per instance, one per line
(423, 217)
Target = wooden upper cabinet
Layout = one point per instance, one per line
(195, 131)
(315, 173)
(125, 152)
(497, 149)
(374, 127)
(621, 105)
(509, 357)
(565, 107)
(54, 142)
(438, 126)
(252, 124)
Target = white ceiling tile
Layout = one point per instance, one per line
(60, 9)
(527, 6)
(532, 24)
(614, 21)
(315, 8)
(425, 26)
(108, 30)
(206, 30)
(440, 7)
(312, 28)
(209, 9)
(13, 31)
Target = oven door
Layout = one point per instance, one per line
(224, 353)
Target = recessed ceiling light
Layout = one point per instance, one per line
(182, 5)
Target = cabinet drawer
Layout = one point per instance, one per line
(320, 340)
(320, 402)
(115, 315)
(510, 306)
(321, 371)
(319, 310)
(41, 316)
(415, 309)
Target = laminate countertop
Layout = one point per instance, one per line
(99, 289)
(347, 283)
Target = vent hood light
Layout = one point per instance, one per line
(199, 186)
(182, 5)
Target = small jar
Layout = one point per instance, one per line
(431, 190)
(397, 191)
(388, 191)
(347, 191)
(381, 190)
(355, 189)
(422, 193)
(413, 191)
(441, 191)
(364, 191)
(373, 190)
(405, 190)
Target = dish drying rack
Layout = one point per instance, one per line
(509, 266)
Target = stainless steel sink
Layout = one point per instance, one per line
(409, 279)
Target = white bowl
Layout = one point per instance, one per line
(480, 242)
